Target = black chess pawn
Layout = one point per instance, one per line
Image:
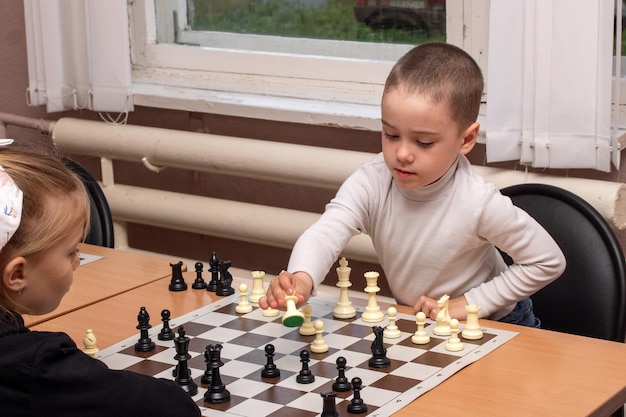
(329, 408)
(225, 281)
(183, 374)
(341, 383)
(199, 283)
(305, 376)
(214, 270)
(166, 332)
(177, 283)
(357, 406)
(144, 344)
(270, 370)
(379, 357)
(216, 393)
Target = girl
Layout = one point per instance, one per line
(44, 216)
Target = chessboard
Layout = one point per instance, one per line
(413, 369)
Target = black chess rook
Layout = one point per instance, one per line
(177, 282)
(329, 408)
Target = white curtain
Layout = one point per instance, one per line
(549, 83)
(78, 55)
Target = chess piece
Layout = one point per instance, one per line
(341, 383)
(442, 328)
(420, 337)
(379, 357)
(292, 317)
(357, 405)
(305, 376)
(270, 370)
(319, 345)
(329, 408)
(183, 374)
(372, 312)
(392, 331)
(166, 332)
(270, 312)
(199, 283)
(224, 283)
(216, 393)
(454, 344)
(89, 342)
(177, 282)
(344, 308)
(307, 328)
(206, 376)
(472, 330)
(243, 306)
(214, 270)
(144, 344)
(258, 290)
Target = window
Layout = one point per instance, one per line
(260, 72)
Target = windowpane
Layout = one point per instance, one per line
(382, 21)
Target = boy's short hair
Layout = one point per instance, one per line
(443, 72)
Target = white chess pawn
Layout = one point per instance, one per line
(89, 342)
(454, 344)
(420, 337)
(243, 306)
(392, 331)
(319, 345)
(472, 330)
(307, 328)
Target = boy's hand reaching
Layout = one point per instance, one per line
(299, 284)
(456, 307)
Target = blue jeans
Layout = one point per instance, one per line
(523, 315)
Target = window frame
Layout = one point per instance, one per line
(284, 87)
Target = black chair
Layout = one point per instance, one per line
(589, 299)
(101, 227)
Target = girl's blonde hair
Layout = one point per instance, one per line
(55, 203)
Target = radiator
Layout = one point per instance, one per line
(295, 164)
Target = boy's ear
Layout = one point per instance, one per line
(470, 136)
(14, 274)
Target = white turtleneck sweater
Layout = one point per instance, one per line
(439, 239)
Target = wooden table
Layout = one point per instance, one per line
(538, 373)
(116, 272)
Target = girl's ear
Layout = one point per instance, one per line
(470, 136)
(14, 274)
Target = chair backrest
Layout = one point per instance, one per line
(101, 230)
(589, 298)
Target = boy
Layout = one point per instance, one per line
(434, 222)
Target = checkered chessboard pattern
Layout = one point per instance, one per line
(414, 369)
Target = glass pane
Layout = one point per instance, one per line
(383, 21)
